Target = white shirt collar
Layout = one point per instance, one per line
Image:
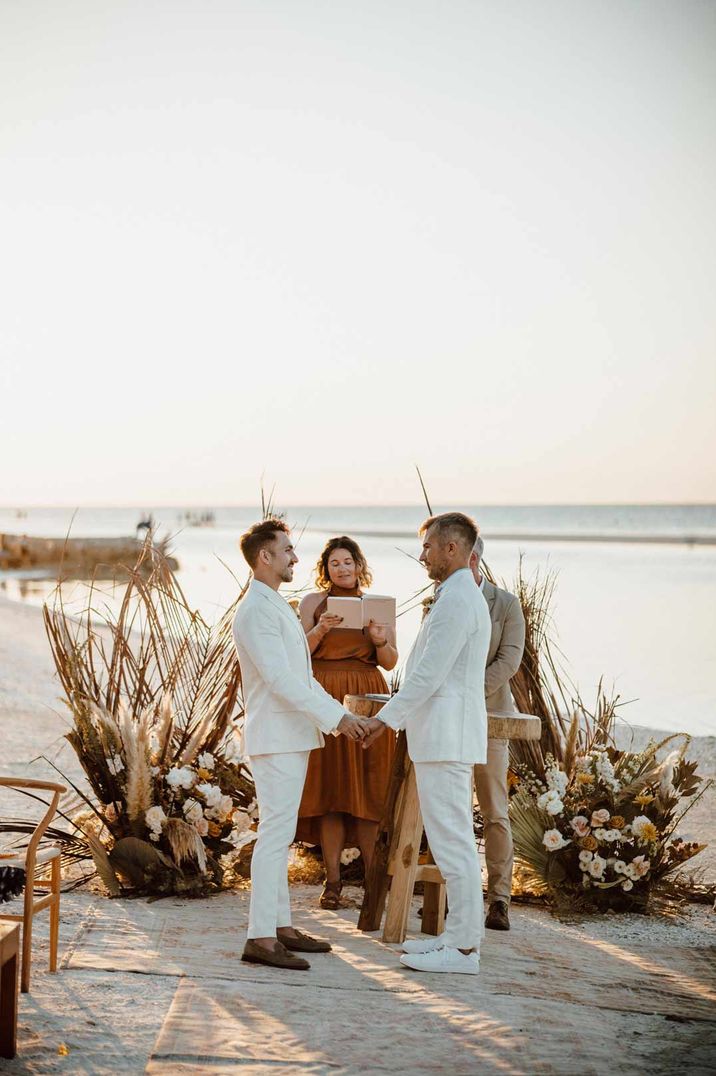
(481, 584)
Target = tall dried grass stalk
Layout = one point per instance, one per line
(541, 686)
(155, 654)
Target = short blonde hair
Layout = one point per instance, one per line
(453, 527)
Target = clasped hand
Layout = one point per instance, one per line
(366, 729)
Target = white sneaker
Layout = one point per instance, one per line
(424, 945)
(443, 959)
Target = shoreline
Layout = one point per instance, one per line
(597, 539)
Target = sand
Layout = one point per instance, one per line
(159, 987)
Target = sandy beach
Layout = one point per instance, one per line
(138, 992)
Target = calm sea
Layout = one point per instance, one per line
(635, 602)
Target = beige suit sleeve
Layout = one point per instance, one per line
(507, 660)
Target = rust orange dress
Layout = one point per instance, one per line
(343, 777)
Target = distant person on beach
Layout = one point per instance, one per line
(287, 713)
(441, 705)
(507, 644)
(345, 786)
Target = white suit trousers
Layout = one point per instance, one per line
(445, 793)
(279, 781)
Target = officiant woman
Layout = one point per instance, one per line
(345, 785)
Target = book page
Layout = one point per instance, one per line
(380, 608)
(351, 609)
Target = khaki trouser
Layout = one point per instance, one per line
(491, 786)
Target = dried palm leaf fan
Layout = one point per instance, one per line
(150, 689)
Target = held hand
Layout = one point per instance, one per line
(355, 728)
(328, 621)
(378, 633)
(377, 728)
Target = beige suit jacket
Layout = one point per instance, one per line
(507, 643)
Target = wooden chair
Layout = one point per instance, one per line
(35, 859)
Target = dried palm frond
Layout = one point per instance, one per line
(528, 831)
(155, 647)
(185, 842)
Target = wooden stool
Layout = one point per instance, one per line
(9, 961)
(400, 833)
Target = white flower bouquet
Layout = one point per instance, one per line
(598, 831)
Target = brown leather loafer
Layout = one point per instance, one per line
(278, 957)
(497, 916)
(304, 943)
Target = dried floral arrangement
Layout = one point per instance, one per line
(593, 826)
(152, 693)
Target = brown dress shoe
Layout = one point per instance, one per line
(278, 957)
(497, 916)
(304, 943)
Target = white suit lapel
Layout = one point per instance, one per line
(282, 605)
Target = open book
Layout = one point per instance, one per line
(357, 612)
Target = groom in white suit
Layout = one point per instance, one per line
(286, 714)
(441, 705)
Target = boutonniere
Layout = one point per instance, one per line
(294, 603)
(427, 604)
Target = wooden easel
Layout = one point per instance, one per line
(396, 868)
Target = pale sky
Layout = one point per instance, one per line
(325, 240)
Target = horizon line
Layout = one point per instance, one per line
(215, 506)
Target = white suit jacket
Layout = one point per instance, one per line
(441, 703)
(285, 708)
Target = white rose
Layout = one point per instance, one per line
(206, 761)
(585, 856)
(155, 818)
(597, 867)
(638, 824)
(553, 840)
(580, 825)
(641, 864)
(211, 793)
(600, 817)
(180, 777)
(193, 810)
(348, 855)
(242, 822)
(619, 866)
(600, 834)
(546, 798)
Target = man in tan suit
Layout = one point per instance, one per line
(507, 643)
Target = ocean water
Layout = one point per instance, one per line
(635, 601)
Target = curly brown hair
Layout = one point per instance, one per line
(363, 572)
